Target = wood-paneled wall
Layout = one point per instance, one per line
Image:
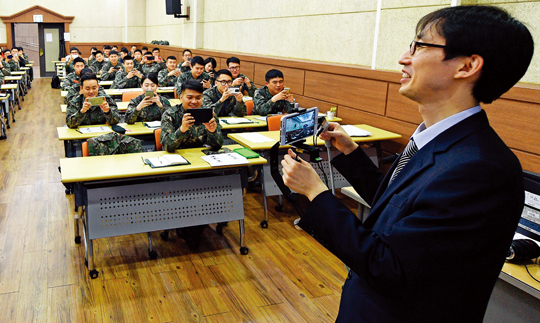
(362, 95)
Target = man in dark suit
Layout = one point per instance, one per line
(443, 217)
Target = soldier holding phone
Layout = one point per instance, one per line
(148, 106)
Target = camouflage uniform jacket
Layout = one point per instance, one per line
(72, 80)
(105, 75)
(166, 80)
(188, 76)
(250, 89)
(113, 143)
(121, 81)
(211, 99)
(91, 60)
(94, 115)
(26, 58)
(152, 68)
(150, 113)
(13, 65)
(6, 70)
(183, 69)
(196, 136)
(263, 105)
(1, 78)
(137, 65)
(96, 66)
(70, 68)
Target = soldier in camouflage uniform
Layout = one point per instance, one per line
(185, 65)
(92, 57)
(150, 66)
(272, 98)
(157, 57)
(246, 85)
(169, 76)
(144, 108)
(80, 112)
(137, 59)
(128, 78)
(177, 126)
(27, 61)
(1, 77)
(113, 143)
(197, 73)
(4, 68)
(98, 63)
(13, 65)
(221, 100)
(72, 80)
(108, 73)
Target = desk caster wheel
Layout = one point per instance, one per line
(94, 274)
(8, 126)
(264, 224)
(219, 229)
(164, 235)
(78, 239)
(279, 207)
(67, 191)
(244, 250)
(152, 254)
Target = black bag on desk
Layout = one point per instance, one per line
(55, 83)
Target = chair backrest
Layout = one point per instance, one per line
(127, 96)
(249, 106)
(175, 94)
(85, 149)
(274, 122)
(157, 137)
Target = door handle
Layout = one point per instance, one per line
(41, 51)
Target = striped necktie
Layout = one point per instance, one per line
(407, 154)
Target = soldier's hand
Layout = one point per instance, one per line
(130, 75)
(247, 81)
(211, 126)
(86, 106)
(105, 107)
(238, 81)
(111, 69)
(187, 122)
(239, 96)
(144, 103)
(226, 94)
(290, 98)
(280, 96)
(186, 63)
(206, 84)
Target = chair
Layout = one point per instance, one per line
(85, 149)
(249, 107)
(175, 94)
(127, 96)
(274, 122)
(157, 137)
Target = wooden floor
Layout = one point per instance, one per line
(286, 277)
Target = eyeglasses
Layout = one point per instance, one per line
(223, 83)
(234, 67)
(414, 44)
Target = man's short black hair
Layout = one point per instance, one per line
(155, 48)
(186, 50)
(152, 77)
(107, 47)
(272, 74)
(171, 57)
(17, 48)
(93, 48)
(233, 60)
(73, 48)
(145, 48)
(137, 50)
(191, 85)
(78, 60)
(133, 46)
(147, 53)
(114, 46)
(7, 50)
(197, 60)
(127, 58)
(504, 43)
(210, 60)
(20, 48)
(113, 52)
(98, 52)
(124, 50)
(86, 70)
(224, 71)
(87, 76)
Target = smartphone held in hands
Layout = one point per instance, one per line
(234, 90)
(99, 100)
(149, 94)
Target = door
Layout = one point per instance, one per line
(51, 47)
(26, 36)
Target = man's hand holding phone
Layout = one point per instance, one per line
(211, 126)
(187, 122)
(86, 106)
(238, 81)
(206, 84)
(105, 107)
(340, 139)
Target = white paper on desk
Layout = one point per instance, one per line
(225, 159)
(95, 129)
(255, 137)
(153, 124)
(237, 120)
(260, 118)
(166, 88)
(355, 132)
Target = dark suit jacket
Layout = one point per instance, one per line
(436, 238)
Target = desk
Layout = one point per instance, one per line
(270, 188)
(122, 106)
(14, 89)
(3, 112)
(24, 81)
(115, 92)
(119, 195)
(106, 83)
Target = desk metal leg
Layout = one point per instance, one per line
(264, 223)
(243, 249)
(78, 218)
(3, 130)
